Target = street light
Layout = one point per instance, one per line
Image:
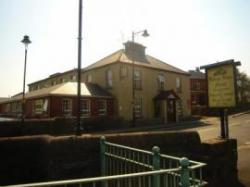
(26, 41)
(144, 34)
(79, 60)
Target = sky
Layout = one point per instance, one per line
(183, 33)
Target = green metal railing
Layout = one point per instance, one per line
(119, 159)
(123, 166)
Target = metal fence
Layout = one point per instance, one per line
(120, 159)
(123, 166)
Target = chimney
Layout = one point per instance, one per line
(135, 51)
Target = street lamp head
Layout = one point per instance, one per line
(26, 40)
(145, 33)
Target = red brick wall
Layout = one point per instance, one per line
(55, 107)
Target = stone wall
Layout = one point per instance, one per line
(43, 158)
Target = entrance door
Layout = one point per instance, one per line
(171, 111)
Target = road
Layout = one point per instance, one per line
(239, 128)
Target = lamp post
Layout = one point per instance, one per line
(78, 118)
(144, 34)
(26, 41)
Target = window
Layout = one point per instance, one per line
(19, 107)
(89, 78)
(137, 80)
(102, 107)
(178, 84)
(7, 108)
(109, 79)
(73, 77)
(67, 105)
(161, 81)
(85, 107)
(38, 106)
(123, 71)
(53, 83)
(13, 107)
(138, 108)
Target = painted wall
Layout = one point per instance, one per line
(122, 88)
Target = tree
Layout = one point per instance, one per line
(243, 86)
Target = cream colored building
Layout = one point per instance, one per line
(161, 91)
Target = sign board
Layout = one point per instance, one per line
(221, 86)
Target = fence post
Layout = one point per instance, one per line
(156, 165)
(184, 162)
(102, 155)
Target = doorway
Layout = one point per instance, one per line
(171, 110)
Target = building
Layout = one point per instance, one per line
(161, 91)
(198, 87)
(60, 101)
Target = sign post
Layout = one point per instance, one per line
(222, 89)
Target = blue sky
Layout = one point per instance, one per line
(184, 33)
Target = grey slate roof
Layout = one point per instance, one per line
(120, 56)
(65, 89)
(197, 74)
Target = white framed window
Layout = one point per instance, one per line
(85, 107)
(66, 105)
(102, 107)
(137, 80)
(109, 78)
(161, 81)
(138, 107)
(123, 71)
(38, 106)
(178, 84)
(73, 77)
(7, 108)
(89, 79)
(19, 107)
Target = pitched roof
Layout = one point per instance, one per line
(197, 75)
(3, 99)
(58, 74)
(120, 56)
(65, 89)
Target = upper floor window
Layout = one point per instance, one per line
(137, 80)
(102, 107)
(161, 81)
(109, 78)
(85, 107)
(178, 84)
(67, 105)
(123, 71)
(89, 78)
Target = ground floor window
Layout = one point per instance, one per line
(40, 106)
(67, 105)
(85, 107)
(102, 107)
(16, 107)
(138, 108)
